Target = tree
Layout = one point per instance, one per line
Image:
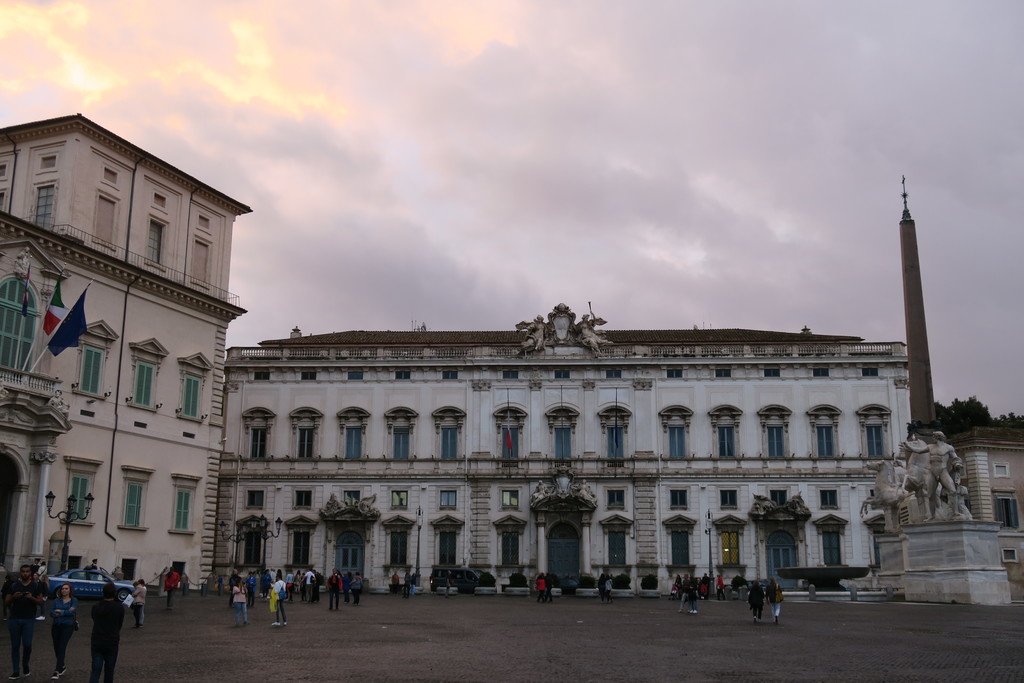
(1009, 420)
(960, 416)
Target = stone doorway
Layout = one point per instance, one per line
(563, 552)
(348, 554)
(781, 550)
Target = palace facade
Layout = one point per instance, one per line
(557, 447)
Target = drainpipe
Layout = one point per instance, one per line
(14, 170)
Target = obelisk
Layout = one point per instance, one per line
(922, 401)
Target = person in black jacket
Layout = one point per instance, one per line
(107, 618)
(756, 599)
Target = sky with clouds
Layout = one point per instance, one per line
(471, 164)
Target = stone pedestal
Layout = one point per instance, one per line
(954, 562)
(891, 560)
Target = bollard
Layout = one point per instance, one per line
(811, 592)
(728, 592)
(853, 594)
(888, 593)
(743, 593)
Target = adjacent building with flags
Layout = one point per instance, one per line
(119, 398)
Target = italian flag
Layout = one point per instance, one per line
(55, 312)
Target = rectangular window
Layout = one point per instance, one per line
(1001, 469)
(252, 545)
(399, 547)
(723, 372)
(510, 374)
(869, 372)
(730, 542)
(260, 375)
(677, 441)
(563, 443)
(190, 396)
(183, 510)
(449, 443)
(300, 548)
(773, 372)
(449, 374)
(446, 548)
(727, 498)
(613, 374)
(44, 205)
(399, 499)
(304, 445)
(616, 498)
(355, 374)
(509, 547)
(726, 441)
(133, 504)
(351, 497)
(1009, 554)
(49, 161)
(563, 374)
(615, 445)
(155, 241)
(874, 436)
(510, 443)
(510, 498)
(830, 550)
(92, 370)
(1006, 511)
(159, 200)
(449, 498)
(779, 496)
(680, 548)
(403, 374)
(677, 498)
(144, 373)
(826, 448)
(829, 498)
(819, 372)
(400, 443)
(776, 437)
(353, 443)
(674, 373)
(201, 261)
(304, 498)
(106, 209)
(254, 499)
(617, 547)
(307, 375)
(257, 442)
(80, 489)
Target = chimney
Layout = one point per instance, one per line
(296, 333)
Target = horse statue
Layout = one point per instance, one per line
(919, 480)
(888, 494)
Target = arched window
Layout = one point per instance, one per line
(16, 330)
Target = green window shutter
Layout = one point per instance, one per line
(143, 384)
(133, 504)
(190, 396)
(182, 510)
(80, 489)
(92, 368)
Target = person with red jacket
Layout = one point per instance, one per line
(171, 581)
(542, 586)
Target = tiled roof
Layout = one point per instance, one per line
(513, 338)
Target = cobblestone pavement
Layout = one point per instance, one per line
(497, 638)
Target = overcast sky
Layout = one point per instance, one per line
(471, 164)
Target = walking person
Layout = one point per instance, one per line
(334, 590)
(22, 597)
(684, 593)
(608, 588)
(139, 602)
(775, 599)
(278, 595)
(357, 589)
(600, 586)
(407, 584)
(541, 584)
(65, 617)
(107, 619)
(185, 584)
(241, 603)
(756, 600)
(171, 581)
(719, 588)
(250, 590)
(693, 592)
(346, 585)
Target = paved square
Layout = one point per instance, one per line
(468, 638)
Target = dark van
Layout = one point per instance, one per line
(463, 580)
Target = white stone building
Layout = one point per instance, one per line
(132, 415)
(557, 448)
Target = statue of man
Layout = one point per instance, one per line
(942, 462)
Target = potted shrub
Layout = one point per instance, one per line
(620, 586)
(486, 584)
(556, 585)
(648, 586)
(517, 584)
(587, 587)
(737, 583)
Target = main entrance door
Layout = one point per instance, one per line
(348, 554)
(563, 552)
(781, 553)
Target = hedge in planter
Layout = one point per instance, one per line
(487, 580)
(648, 583)
(517, 580)
(588, 581)
(621, 582)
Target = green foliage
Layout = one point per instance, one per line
(1011, 420)
(959, 416)
(517, 580)
(588, 581)
(620, 581)
(738, 582)
(649, 582)
(487, 580)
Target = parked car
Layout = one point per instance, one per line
(465, 580)
(88, 583)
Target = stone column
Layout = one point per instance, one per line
(542, 546)
(44, 459)
(585, 560)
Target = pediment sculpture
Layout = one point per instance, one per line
(361, 510)
(794, 508)
(563, 493)
(561, 329)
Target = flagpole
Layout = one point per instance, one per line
(78, 303)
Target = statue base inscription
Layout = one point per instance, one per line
(955, 561)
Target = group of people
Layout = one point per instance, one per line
(25, 596)
(544, 584)
(760, 594)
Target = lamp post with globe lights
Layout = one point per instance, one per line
(70, 514)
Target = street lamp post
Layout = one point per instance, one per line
(262, 527)
(419, 527)
(707, 530)
(234, 538)
(66, 517)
